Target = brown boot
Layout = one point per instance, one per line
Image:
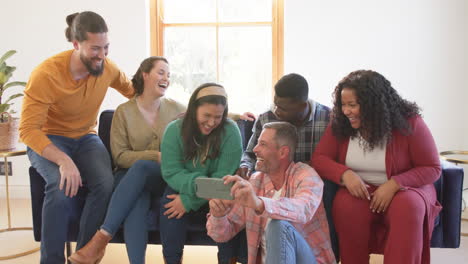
(93, 251)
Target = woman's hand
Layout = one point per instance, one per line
(355, 185)
(175, 208)
(244, 172)
(382, 197)
(158, 156)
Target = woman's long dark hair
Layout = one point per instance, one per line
(198, 147)
(381, 109)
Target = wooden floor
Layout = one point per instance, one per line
(17, 241)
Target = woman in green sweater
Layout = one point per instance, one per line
(204, 143)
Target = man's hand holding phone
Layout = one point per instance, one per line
(239, 189)
(244, 193)
(220, 208)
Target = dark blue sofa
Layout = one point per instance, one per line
(446, 232)
(196, 232)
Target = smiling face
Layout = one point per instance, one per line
(209, 116)
(350, 107)
(157, 80)
(267, 152)
(93, 51)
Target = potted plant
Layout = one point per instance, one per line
(8, 124)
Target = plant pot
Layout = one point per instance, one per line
(9, 133)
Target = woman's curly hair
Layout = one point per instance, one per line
(381, 109)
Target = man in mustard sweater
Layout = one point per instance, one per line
(60, 108)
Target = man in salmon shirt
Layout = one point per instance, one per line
(280, 206)
(60, 108)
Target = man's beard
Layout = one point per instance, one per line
(88, 64)
(265, 168)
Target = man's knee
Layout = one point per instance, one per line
(104, 187)
(97, 178)
(49, 171)
(57, 198)
(52, 178)
(275, 226)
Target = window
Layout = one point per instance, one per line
(237, 43)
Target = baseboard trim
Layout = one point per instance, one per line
(16, 191)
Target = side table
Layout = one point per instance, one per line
(444, 155)
(5, 154)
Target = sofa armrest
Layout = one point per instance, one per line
(449, 193)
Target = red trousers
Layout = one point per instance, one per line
(397, 233)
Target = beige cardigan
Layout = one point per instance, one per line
(131, 136)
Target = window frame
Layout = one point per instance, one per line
(157, 26)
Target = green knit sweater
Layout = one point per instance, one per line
(181, 175)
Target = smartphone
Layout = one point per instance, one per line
(213, 188)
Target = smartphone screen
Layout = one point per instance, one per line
(213, 188)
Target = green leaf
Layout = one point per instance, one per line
(4, 78)
(11, 84)
(4, 107)
(7, 55)
(9, 70)
(6, 73)
(13, 97)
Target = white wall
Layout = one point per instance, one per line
(419, 45)
(36, 30)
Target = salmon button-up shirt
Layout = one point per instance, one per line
(300, 203)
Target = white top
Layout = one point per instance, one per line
(276, 196)
(370, 165)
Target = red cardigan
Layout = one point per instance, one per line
(411, 160)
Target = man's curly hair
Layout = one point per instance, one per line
(381, 109)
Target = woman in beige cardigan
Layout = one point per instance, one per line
(137, 129)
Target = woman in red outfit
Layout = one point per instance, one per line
(378, 148)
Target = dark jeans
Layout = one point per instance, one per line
(329, 191)
(234, 248)
(93, 161)
(174, 231)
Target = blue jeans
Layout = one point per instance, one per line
(130, 204)
(285, 245)
(92, 160)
